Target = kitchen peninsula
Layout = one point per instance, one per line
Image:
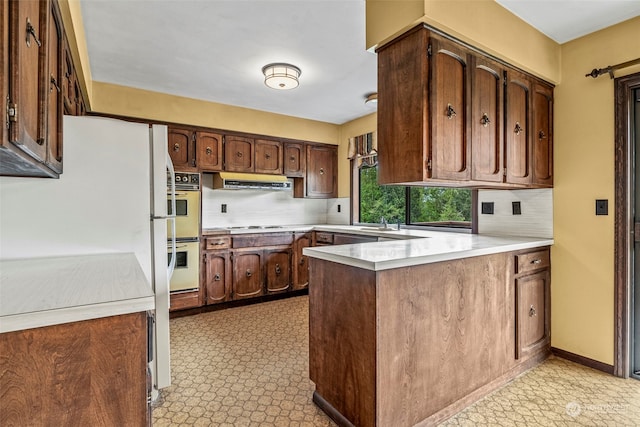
(408, 332)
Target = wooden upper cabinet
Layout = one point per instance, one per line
(294, 159)
(487, 120)
(322, 170)
(450, 82)
(517, 128)
(403, 139)
(268, 156)
(181, 146)
(53, 93)
(542, 137)
(239, 154)
(209, 151)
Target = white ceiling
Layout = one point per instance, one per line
(214, 50)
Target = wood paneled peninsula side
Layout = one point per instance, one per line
(409, 332)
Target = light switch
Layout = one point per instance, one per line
(487, 208)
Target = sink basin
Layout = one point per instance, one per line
(378, 229)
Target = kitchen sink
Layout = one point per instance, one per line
(378, 229)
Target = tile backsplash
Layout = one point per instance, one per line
(256, 207)
(535, 220)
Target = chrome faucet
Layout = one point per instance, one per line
(384, 223)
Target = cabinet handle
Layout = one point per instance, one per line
(248, 273)
(541, 135)
(518, 129)
(54, 82)
(217, 277)
(451, 113)
(278, 270)
(31, 32)
(302, 261)
(532, 311)
(176, 147)
(536, 261)
(267, 156)
(292, 158)
(216, 243)
(321, 171)
(239, 154)
(484, 121)
(209, 150)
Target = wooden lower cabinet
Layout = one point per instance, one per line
(88, 373)
(247, 279)
(414, 345)
(300, 261)
(277, 270)
(217, 280)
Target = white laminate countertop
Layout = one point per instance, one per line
(418, 247)
(49, 291)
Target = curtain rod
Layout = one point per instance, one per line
(595, 73)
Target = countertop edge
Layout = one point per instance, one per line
(24, 321)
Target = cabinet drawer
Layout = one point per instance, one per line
(532, 261)
(217, 243)
(324, 238)
(255, 240)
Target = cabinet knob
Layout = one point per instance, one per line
(321, 171)
(302, 261)
(451, 113)
(176, 147)
(278, 270)
(248, 273)
(484, 121)
(217, 277)
(239, 154)
(518, 129)
(541, 135)
(292, 159)
(209, 151)
(31, 32)
(532, 311)
(536, 261)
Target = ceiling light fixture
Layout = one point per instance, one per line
(281, 76)
(371, 99)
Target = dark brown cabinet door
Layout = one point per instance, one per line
(294, 160)
(268, 156)
(542, 137)
(247, 274)
(449, 117)
(238, 154)
(68, 82)
(300, 261)
(181, 148)
(322, 169)
(278, 270)
(209, 149)
(487, 121)
(517, 133)
(532, 312)
(53, 93)
(217, 277)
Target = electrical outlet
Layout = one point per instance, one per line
(223, 208)
(487, 208)
(516, 208)
(339, 208)
(602, 207)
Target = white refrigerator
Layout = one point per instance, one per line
(111, 197)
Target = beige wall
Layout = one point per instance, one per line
(583, 257)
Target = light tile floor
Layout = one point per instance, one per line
(248, 366)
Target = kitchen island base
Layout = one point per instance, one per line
(414, 345)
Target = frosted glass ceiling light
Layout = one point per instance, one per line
(281, 76)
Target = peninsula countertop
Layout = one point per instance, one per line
(54, 290)
(420, 247)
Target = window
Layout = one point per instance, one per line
(432, 206)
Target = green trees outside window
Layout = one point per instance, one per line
(426, 205)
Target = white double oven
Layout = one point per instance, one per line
(186, 275)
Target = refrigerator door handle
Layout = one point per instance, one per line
(172, 217)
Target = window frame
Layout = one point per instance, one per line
(450, 226)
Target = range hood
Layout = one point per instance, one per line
(250, 181)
